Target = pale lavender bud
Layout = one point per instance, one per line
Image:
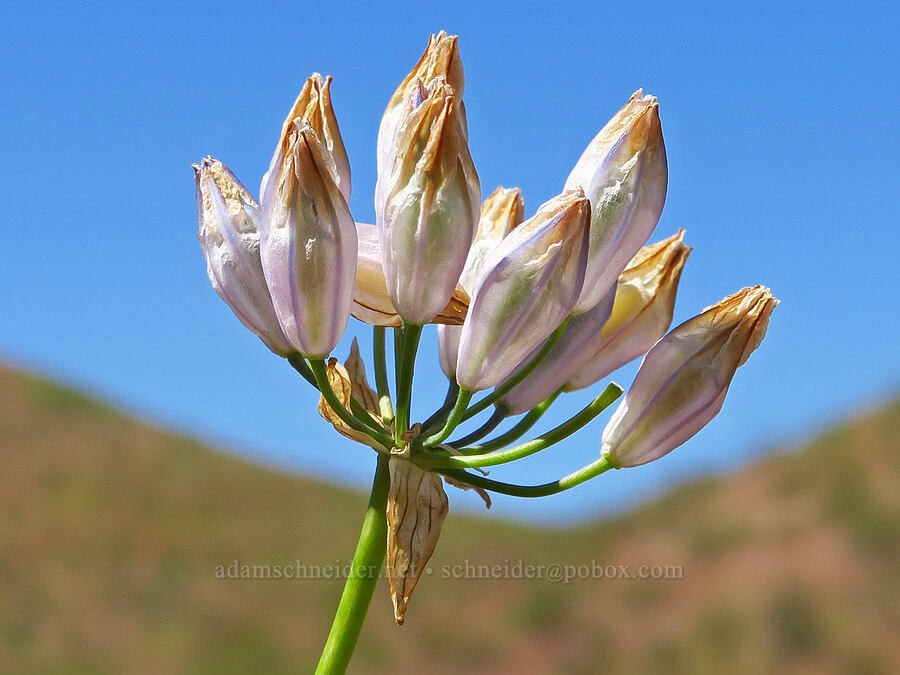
(642, 313)
(314, 105)
(308, 245)
(371, 302)
(440, 60)
(527, 287)
(426, 206)
(565, 358)
(623, 173)
(448, 348)
(500, 213)
(682, 381)
(228, 218)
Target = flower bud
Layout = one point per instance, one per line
(527, 287)
(642, 312)
(623, 173)
(500, 213)
(440, 60)
(448, 349)
(623, 326)
(228, 219)
(314, 105)
(308, 245)
(563, 361)
(371, 303)
(682, 381)
(426, 206)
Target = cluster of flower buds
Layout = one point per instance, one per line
(529, 308)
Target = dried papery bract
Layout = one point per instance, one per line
(229, 219)
(622, 327)
(371, 302)
(313, 105)
(624, 174)
(308, 246)
(426, 205)
(527, 287)
(416, 509)
(346, 385)
(359, 383)
(500, 213)
(682, 381)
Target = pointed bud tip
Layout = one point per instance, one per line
(573, 200)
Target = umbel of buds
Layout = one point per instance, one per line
(527, 308)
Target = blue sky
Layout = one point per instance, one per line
(781, 127)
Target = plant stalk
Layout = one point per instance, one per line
(381, 378)
(360, 584)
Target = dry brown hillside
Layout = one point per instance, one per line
(111, 532)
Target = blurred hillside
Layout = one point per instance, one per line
(111, 532)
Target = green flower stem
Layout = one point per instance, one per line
(456, 416)
(360, 584)
(405, 368)
(498, 392)
(493, 422)
(399, 341)
(516, 432)
(319, 371)
(363, 415)
(381, 378)
(564, 430)
(299, 364)
(585, 473)
(440, 415)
